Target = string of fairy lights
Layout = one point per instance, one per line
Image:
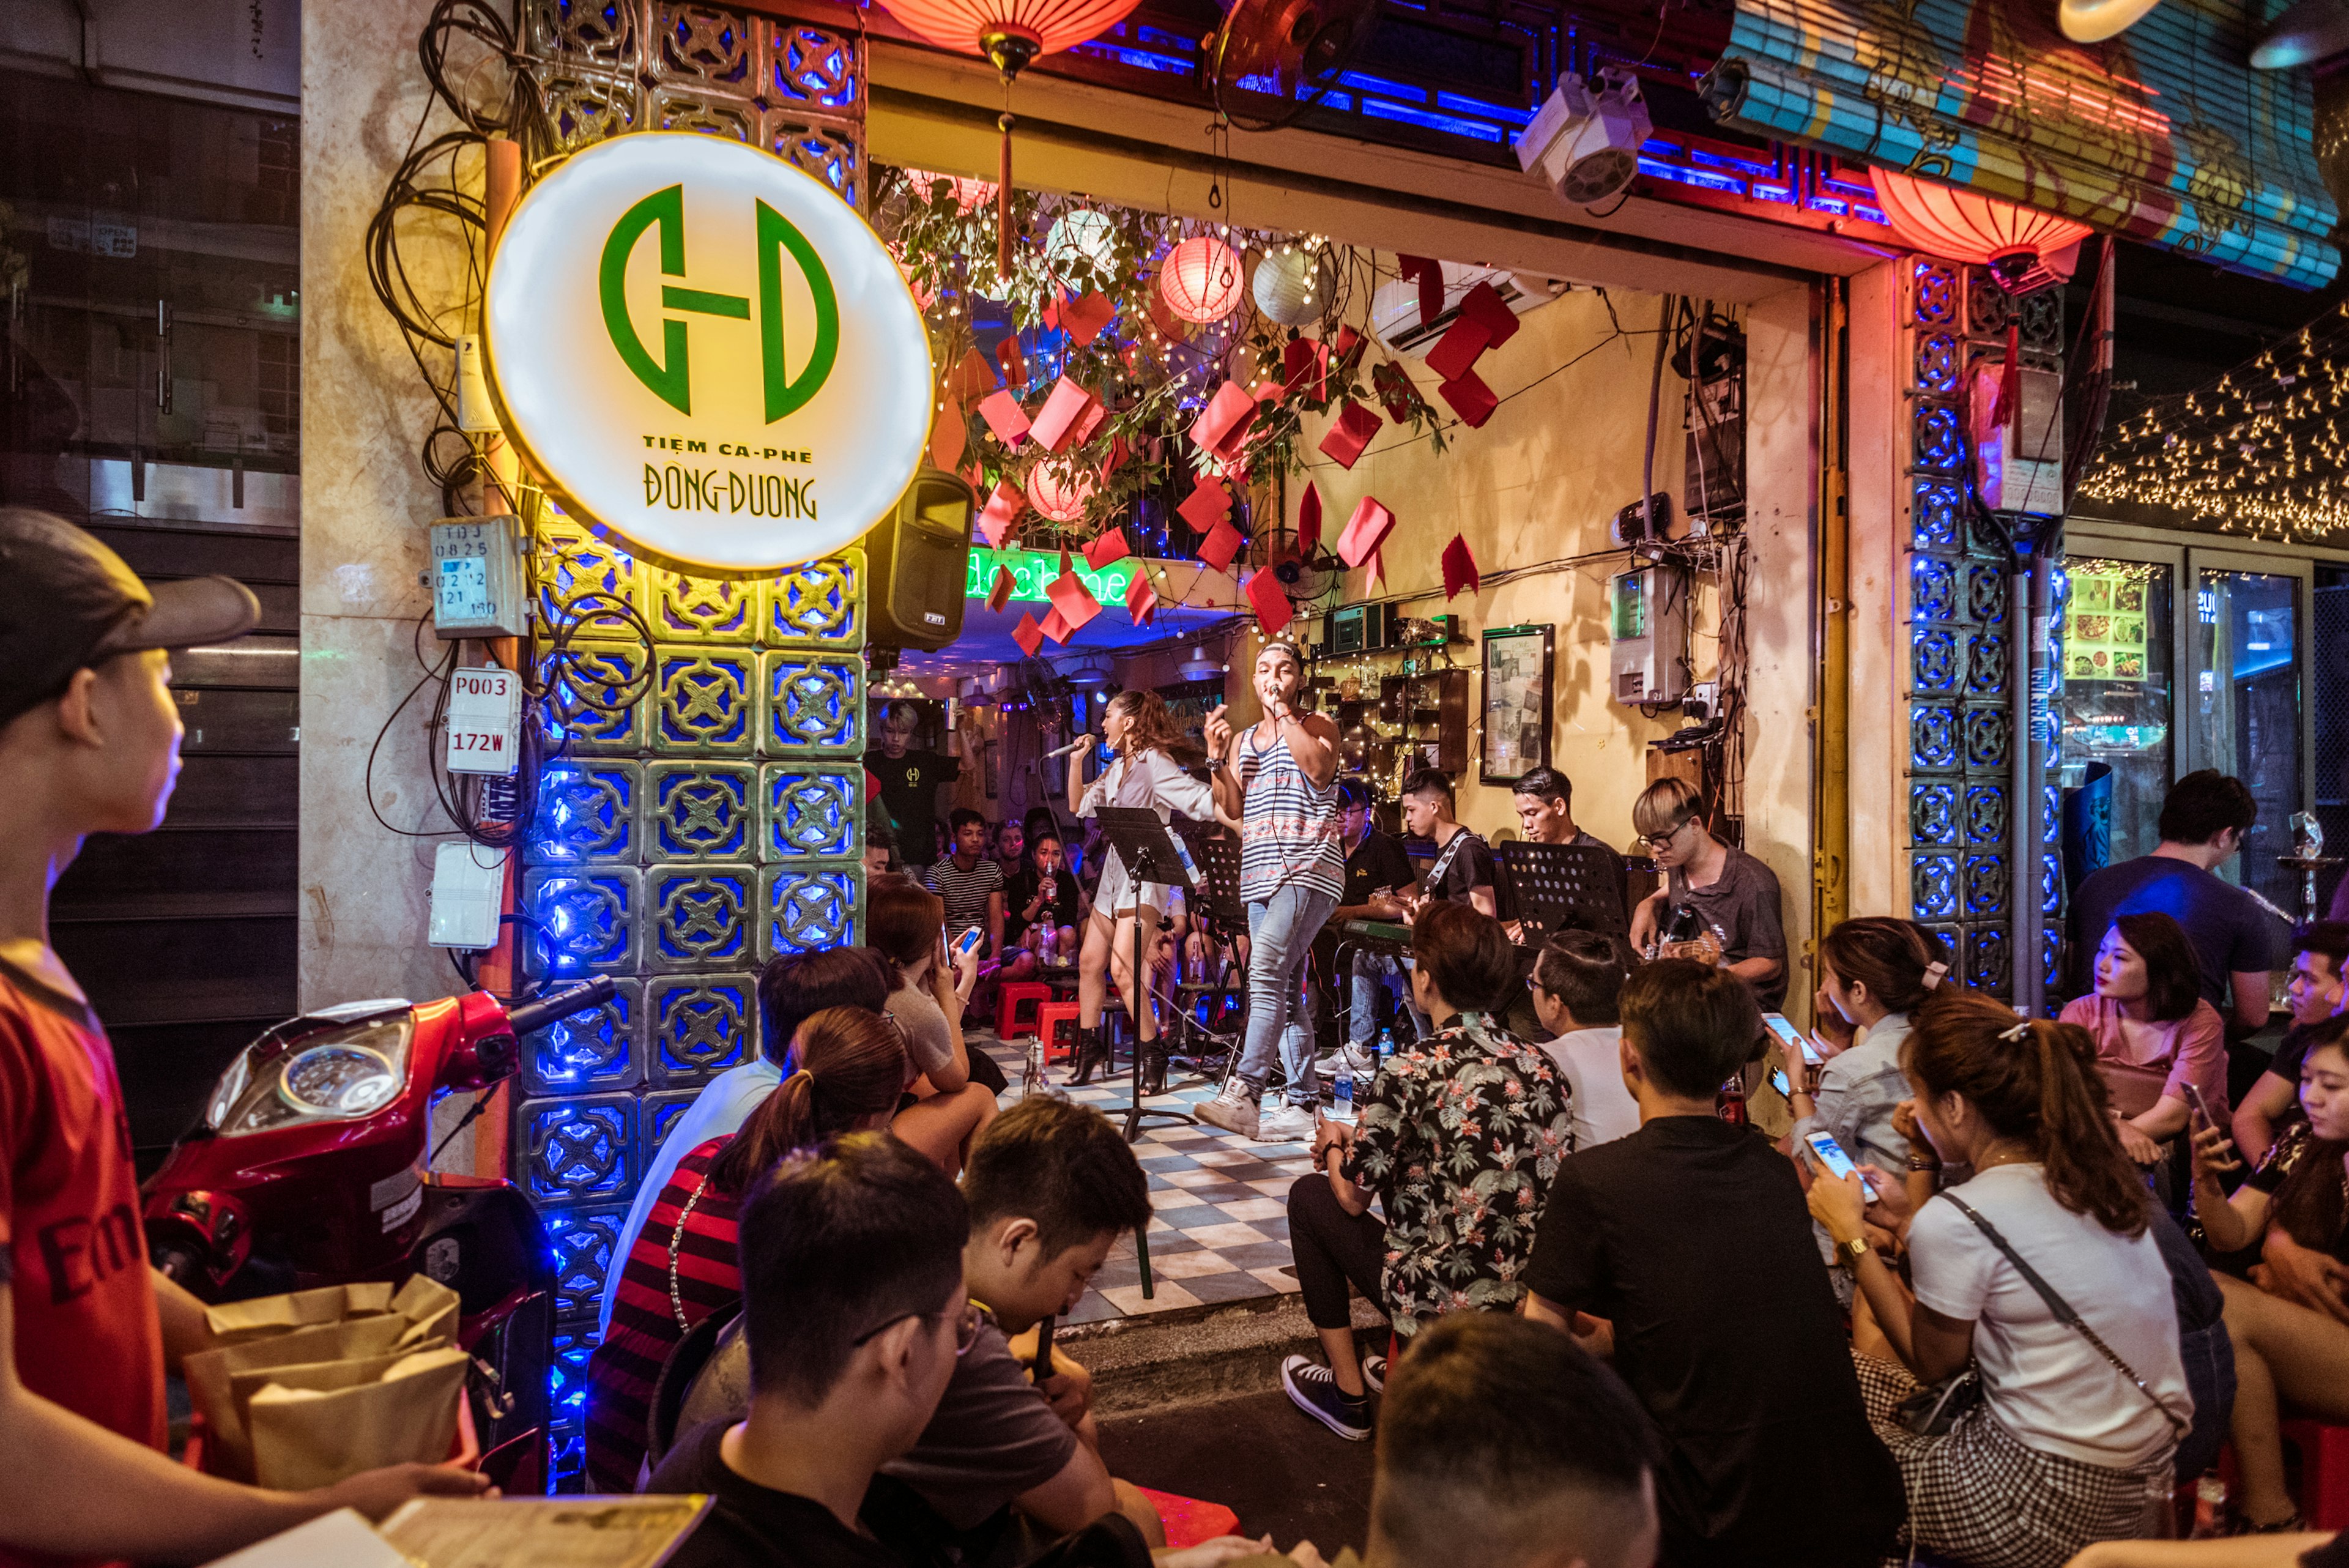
(2261, 450)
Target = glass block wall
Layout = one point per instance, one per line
(700, 807)
(1962, 823)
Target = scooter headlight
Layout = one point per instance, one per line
(319, 1068)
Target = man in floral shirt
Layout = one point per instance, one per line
(1460, 1137)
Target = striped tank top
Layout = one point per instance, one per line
(1290, 829)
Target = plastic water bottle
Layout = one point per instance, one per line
(2210, 1509)
(1386, 1043)
(1032, 1078)
(1341, 1092)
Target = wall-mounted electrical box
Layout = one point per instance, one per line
(478, 587)
(469, 885)
(1647, 631)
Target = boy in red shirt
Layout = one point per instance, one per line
(90, 743)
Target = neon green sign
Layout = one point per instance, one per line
(1033, 571)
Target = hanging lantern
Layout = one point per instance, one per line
(969, 196)
(1009, 33)
(1083, 235)
(1201, 280)
(1293, 286)
(2017, 244)
(1059, 487)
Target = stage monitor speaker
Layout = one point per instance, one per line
(917, 559)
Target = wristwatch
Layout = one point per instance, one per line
(1849, 1254)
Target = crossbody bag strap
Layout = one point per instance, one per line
(2065, 1315)
(677, 1246)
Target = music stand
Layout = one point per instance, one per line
(1557, 886)
(1217, 912)
(1139, 840)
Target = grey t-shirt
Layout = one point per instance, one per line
(992, 1438)
(1741, 909)
(929, 1039)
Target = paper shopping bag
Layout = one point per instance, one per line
(304, 1437)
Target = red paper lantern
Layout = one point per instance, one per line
(1202, 280)
(1964, 225)
(1059, 487)
(1009, 33)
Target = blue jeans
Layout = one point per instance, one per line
(1281, 929)
(1371, 971)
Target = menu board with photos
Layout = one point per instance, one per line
(2104, 627)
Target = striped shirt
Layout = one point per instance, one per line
(965, 891)
(1290, 827)
(645, 1328)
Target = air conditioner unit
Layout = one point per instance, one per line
(1394, 308)
(1586, 142)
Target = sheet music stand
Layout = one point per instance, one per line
(1555, 886)
(1139, 840)
(1216, 911)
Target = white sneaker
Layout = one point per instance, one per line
(1289, 1124)
(1234, 1109)
(1359, 1057)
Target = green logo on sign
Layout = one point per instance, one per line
(670, 376)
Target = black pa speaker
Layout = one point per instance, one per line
(917, 559)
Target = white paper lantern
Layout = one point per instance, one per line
(1293, 286)
(1083, 234)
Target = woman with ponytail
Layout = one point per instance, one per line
(852, 1067)
(2286, 1350)
(2080, 1410)
(1873, 974)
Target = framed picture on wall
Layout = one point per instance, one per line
(1519, 662)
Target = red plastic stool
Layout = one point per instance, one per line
(2323, 1471)
(1008, 998)
(1049, 1016)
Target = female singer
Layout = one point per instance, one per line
(1152, 769)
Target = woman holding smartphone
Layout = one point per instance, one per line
(1151, 767)
(2072, 1435)
(2154, 1032)
(1873, 973)
(1043, 905)
(2286, 1350)
(946, 1109)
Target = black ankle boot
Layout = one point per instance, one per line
(1154, 1067)
(1093, 1053)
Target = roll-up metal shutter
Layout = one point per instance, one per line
(2164, 134)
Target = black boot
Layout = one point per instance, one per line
(1092, 1053)
(1154, 1067)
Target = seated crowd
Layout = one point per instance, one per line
(2004, 1287)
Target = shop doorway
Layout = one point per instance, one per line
(2247, 717)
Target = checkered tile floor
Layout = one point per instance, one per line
(1219, 1229)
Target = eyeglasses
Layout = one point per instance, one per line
(1658, 840)
(966, 1325)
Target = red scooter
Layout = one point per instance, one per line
(309, 1169)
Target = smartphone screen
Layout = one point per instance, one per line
(1795, 1039)
(1778, 1081)
(968, 941)
(1831, 1155)
(2194, 1095)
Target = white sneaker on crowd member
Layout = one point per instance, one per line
(1289, 1124)
(1234, 1109)
(1360, 1058)
(1313, 1388)
(1374, 1374)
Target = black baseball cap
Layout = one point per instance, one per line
(69, 603)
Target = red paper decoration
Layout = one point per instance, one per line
(1349, 434)
(1000, 594)
(1071, 600)
(1028, 634)
(1967, 226)
(1207, 505)
(1056, 625)
(1365, 532)
(948, 436)
(1066, 413)
(1060, 487)
(1003, 509)
(1107, 546)
(1270, 601)
(1308, 519)
(1141, 599)
(1005, 417)
(1459, 568)
(1470, 398)
(1202, 280)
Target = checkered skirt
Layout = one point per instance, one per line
(1979, 1496)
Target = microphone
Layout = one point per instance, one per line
(1079, 745)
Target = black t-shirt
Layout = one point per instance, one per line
(1376, 865)
(752, 1526)
(1469, 867)
(909, 788)
(1060, 909)
(1690, 1235)
(2230, 932)
(1741, 908)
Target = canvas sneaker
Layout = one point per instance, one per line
(1359, 1057)
(1234, 1109)
(1374, 1374)
(1289, 1124)
(1313, 1388)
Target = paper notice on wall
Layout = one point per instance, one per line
(2104, 627)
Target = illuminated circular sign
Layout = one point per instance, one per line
(707, 354)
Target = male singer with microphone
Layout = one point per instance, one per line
(1282, 780)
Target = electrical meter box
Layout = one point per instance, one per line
(1647, 632)
(468, 885)
(478, 587)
